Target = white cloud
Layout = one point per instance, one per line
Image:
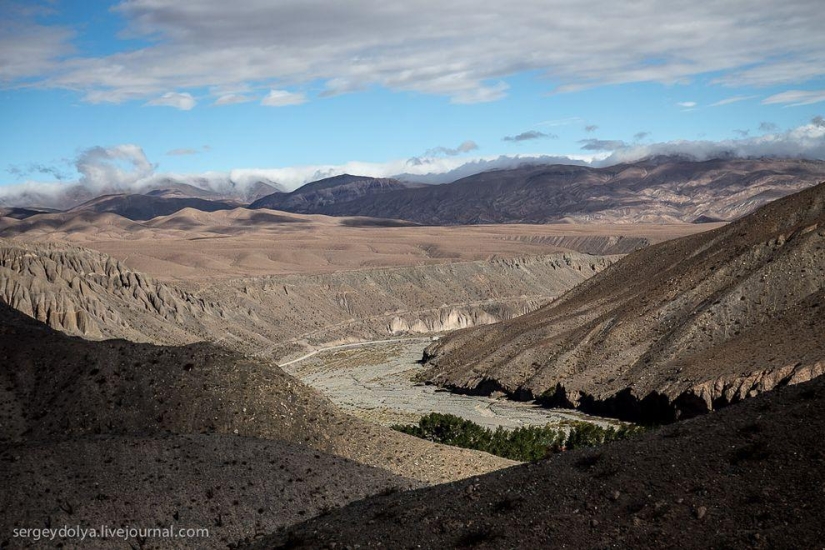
(29, 49)
(463, 49)
(796, 98)
(806, 141)
(183, 101)
(687, 104)
(282, 98)
(464, 147)
(116, 168)
(181, 152)
(601, 144)
(528, 136)
(481, 93)
(734, 99)
(232, 99)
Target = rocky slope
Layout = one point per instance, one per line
(319, 196)
(673, 330)
(661, 189)
(89, 294)
(79, 417)
(750, 476)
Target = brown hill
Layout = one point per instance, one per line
(669, 331)
(320, 196)
(86, 293)
(660, 190)
(750, 476)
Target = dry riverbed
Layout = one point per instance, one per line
(375, 381)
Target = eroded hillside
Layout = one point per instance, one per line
(673, 330)
(86, 293)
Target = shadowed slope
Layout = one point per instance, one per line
(55, 386)
(146, 207)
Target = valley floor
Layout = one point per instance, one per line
(376, 382)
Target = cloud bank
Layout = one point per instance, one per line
(125, 168)
(463, 49)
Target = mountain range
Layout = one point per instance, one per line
(657, 190)
(653, 190)
(320, 197)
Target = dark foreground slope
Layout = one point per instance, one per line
(234, 486)
(750, 476)
(661, 189)
(55, 386)
(114, 433)
(670, 331)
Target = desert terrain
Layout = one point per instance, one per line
(193, 245)
(270, 352)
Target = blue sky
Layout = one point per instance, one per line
(216, 86)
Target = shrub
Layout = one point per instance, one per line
(526, 444)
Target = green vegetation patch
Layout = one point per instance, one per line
(526, 444)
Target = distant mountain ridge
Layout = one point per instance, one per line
(71, 195)
(658, 190)
(146, 207)
(664, 189)
(320, 197)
